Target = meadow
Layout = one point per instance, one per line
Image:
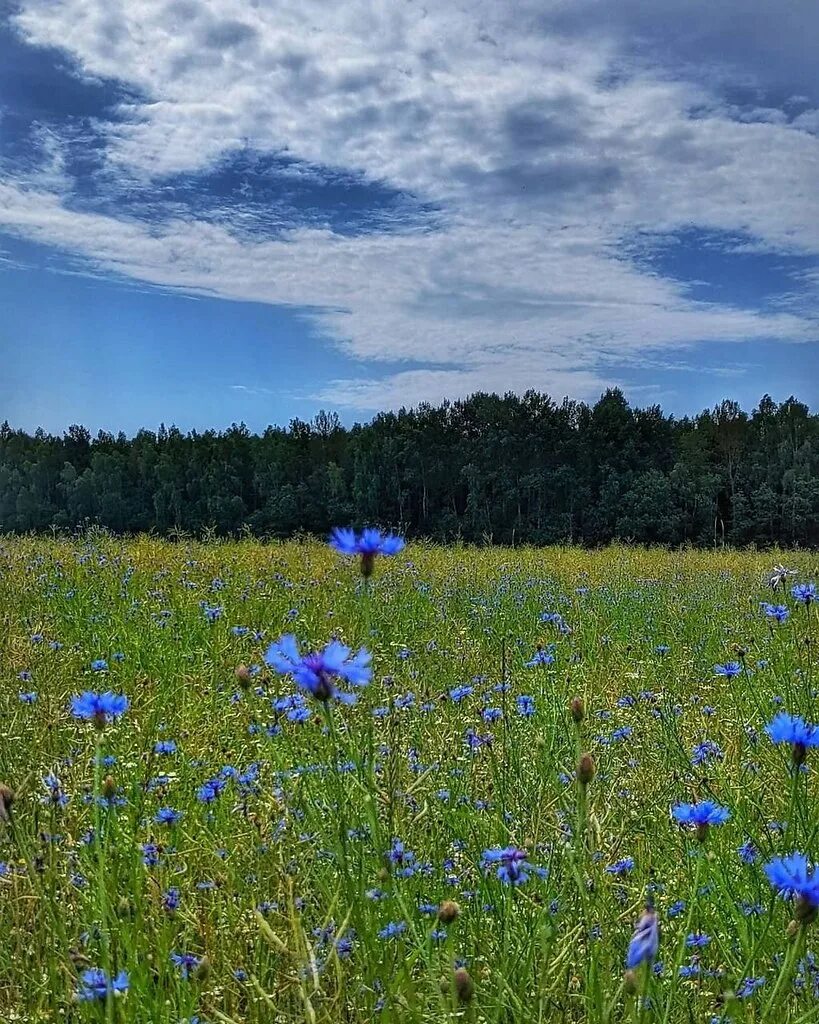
(558, 788)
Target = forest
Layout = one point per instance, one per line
(487, 469)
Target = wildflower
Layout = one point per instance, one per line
(697, 940)
(367, 545)
(779, 575)
(729, 669)
(542, 656)
(621, 867)
(748, 986)
(792, 876)
(459, 692)
(101, 708)
(212, 612)
(165, 747)
(150, 855)
(747, 852)
(317, 673)
(645, 941)
(96, 984)
(210, 790)
(785, 728)
(28, 698)
(706, 751)
(393, 930)
(525, 705)
(778, 612)
(701, 816)
(171, 900)
(491, 714)
(100, 665)
(167, 816)
(512, 866)
(804, 593)
(185, 963)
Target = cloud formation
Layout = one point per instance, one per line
(521, 148)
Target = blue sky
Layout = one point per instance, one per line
(216, 211)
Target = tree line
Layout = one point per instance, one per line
(496, 469)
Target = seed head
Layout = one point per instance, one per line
(585, 769)
(6, 802)
(464, 985)
(448, 911)
(243, 677)
(578, 709)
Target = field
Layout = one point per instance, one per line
(230, 848)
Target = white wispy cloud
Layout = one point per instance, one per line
(542, 139)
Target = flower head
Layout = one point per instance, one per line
(779, 575)
(793, 876)
(96, 984)
(777, 612)
(101, 708)
(512, 866)
(804, 593)
(319, 673)
(701, 816)
(367, 544)
(785, 728)
(645, 941)
(729, 669)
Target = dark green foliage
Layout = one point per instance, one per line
(490, 468)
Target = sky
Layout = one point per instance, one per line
(214, 211)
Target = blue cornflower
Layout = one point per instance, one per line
(696, 940)
(459, 692)
(542, 656)
(512, 866)
(165, 747)
(393, 930)
(621, 867)
(28, 698)
(491, 714)
(185, 963)
(785, 728)
(749, 985)
(525, 705)
(747, 853)
(778, 612)
(150, 855)
(793, 876)
(701, 816)
(729, 669)
(706, 751)
(210, 790)
(171, 900)
(212, 612)
(99, 707)
(100, 665)
(96, 984)
(317, 673)
(645, 941)
(804, 592)
(167, 816)
(367, 544)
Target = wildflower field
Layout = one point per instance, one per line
(248, 783)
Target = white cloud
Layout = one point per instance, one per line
(540, 163)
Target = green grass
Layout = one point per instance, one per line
(307, 840)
